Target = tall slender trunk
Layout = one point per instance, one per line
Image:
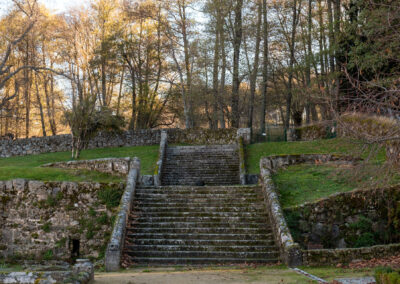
(214, 121)
(223, 77)
(27, 91)
(338, 67)
(265, 67)
(291, 65)
(237, 41)
(253, 78)
(133, 115)
(188, 70)
(120, 90)
(309, 58)
(39, 101)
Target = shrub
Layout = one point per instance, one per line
(110, 196)
(365, 240)
(48, 255)
(46, 227)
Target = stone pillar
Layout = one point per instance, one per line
(245, 133)
(161, 155)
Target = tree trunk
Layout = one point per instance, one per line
(40, 107)
(309, 58)
(253, 78)
(265, 68)
(214, 121)
(291, 65)
(237, 40)
(223, 77)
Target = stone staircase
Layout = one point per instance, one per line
(197, 165)
(199, 225)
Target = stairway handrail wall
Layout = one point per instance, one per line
(115, 246)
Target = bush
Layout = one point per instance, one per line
(110, 196)
(365, 240)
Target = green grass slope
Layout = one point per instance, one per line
(28, 166)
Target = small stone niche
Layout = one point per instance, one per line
(74, 246)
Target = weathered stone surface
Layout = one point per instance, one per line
(81, 273)
(290, 250)
(334, 221)
(335, 256)
(114, 166)
(115, 246)
(40, 219)
(59, 143)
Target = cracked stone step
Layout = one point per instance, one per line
(232, 248)
(172, 261)
(197, 242)
(199, 236)
(199, 200)
(199, 214)
(203, 254)
(204, 219)
(192, 208)
(195, 230)
(177, 225)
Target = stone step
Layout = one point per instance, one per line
(199, 230)
(208, 219)
(233, 248)
(194, 195)
(203, 254)
(191, 208)
(198, 200)
(200, 242)
(189, 225)
(199, 214)
(211, 189)
(199, 236)
(211, 203)
(197, 261)
(202, 148)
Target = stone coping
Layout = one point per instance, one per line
(322, 257)
(161, 157)
(114, 166)
(242, 161)
(82, 272)
(115, 246)
(291, 253)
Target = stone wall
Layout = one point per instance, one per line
(62, 143)
(359, 218)
(113, 166)
(321, 130)
(47, 220)
(335, 256)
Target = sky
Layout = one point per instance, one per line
(57, 6)
(62, 5)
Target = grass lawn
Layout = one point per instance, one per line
(28, 166)
(255, 152)
(230, 274)
(304, 183)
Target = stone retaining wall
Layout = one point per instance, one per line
(115, 246)
(60, 143)
(324, 257)
(290, 250)
(46, 220)
(352, 219)
(81, 273)
(114, 166)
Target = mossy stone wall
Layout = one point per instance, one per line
(39, 220)
(359, 218)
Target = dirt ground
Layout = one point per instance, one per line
(230, 276)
